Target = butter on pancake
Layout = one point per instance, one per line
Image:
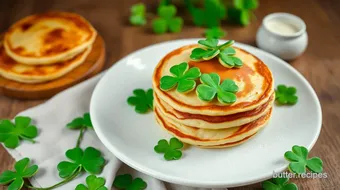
(48, 38)
(19, 72)
(254, 80)
(211, 137)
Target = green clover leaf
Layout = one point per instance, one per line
(125, 182)
(211, 49)
(93, 183)
(90, 160)
(298, 159)
(278, 184)
(143, 100)
(215, 32)
(209, 16)
(10, 134)
(243, 11)
(211, 86)
(183, 78)
(167, 20)
(286, 95)
(81, 122)
(16, 178)
(137, 16)
(171, 150)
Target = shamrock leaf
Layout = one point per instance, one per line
(211, 86)
(211, 49)
(171, 151)
(125, 182)
(278, 184)
(90, 160)
(243, 11)
(93, 183)
(215, 32)
(298, 159)
(137, 16)
(286, 95)
(80, 122)
(143, 100)
(209, 16)
(10, 133)
(167, 20)
(16, 178)
(183, 78)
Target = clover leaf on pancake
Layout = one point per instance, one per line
(171, 150)
(93, 183)
(89, 160)
(299, 160)
(16, 178)
(211, 86)
(143, 100)
(210, 49)
(286, 95)
(11, 133)
(215, 32)
(278, 184)
(183, 78)
(125, 182)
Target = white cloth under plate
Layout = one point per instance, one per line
(54, 139)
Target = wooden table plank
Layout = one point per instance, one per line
(319, 64)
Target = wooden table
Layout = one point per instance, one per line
(320, 64)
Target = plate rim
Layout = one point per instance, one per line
(193, 183)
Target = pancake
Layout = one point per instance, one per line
(254, 79)
(210, 137)
(227, 145)
(48, 38)
(213, 122)
(13, 70)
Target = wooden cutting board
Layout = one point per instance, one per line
(93, 64)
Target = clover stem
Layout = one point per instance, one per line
(80, 136)
(28, 139)
(58, 184)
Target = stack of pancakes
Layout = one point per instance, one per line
(212, 124)
(46, 46)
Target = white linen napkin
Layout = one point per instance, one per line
(54, 139)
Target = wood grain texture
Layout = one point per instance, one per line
(93, 63)
(320, 64)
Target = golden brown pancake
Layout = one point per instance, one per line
(213, 122)
(48, 38)
(210, 137)
(13, 70)
(227, 145)
(254, 79)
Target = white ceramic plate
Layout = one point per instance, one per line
(131, 136)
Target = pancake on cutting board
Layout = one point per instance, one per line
(254, 80)
(48, 38)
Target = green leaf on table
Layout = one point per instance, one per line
(137, 16)
(143, 100)
(183, 78)
(299, 160)
(211, 86)
(11, 133)
(215, 32)
(80, 122)
(278, 184)
(285, 95)
(89, 160)
(93, 183)
(209, 16)
(243, 10)
(210, 49)
(167, 20)
(125, 182)
(15, 179)
(171, 150)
